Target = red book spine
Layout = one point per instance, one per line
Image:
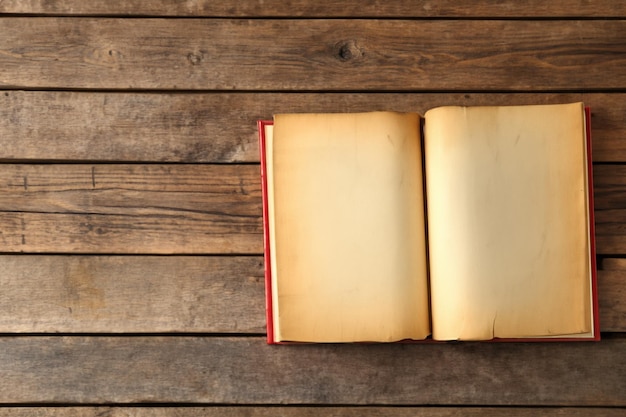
(266, 233)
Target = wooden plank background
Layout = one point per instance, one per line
(323, 8)
(305, 54)
(131, 267)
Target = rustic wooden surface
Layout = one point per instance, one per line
(244, 370)
(323, 411)
(305, 55)
(215, 127)
(321, 8)
(131, 271)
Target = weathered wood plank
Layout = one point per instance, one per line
(610, 212)
(130, 209)
(221, 127)
(612, 299)
(70, 126)
(131, 294)
(321, 411)
(204, 233)
(114, 189)
(151, 294)
(335, 54)
(327, 8)
(88, 370)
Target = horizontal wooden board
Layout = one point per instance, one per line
(316, 411)
(71, 126)
(221, 127)
(154, 294)
(130, 209)
(334, 54)
(131, 294)
(114, 189)
(326, 8)
(99, 370)
(128, 233)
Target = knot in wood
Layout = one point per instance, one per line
(348, 50)
(195, 58)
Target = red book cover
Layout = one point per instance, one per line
(266, 233)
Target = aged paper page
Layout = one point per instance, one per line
(508, 221)
(349, 245)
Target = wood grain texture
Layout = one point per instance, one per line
(612, 298)
(131, 294)
(609, 186)
(88, 370)
(123, 89)
(321, 411)
(221, 127)
(326, 8)
(335, 54)
(152, 294)
(610, 209)
(128, 233)
(154, 209)
(70, 126)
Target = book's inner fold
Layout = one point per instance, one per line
(347, 228)
(508, 222)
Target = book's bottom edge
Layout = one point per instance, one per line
(433, 341)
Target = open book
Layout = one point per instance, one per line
(480, 228)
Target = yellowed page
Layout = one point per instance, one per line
(349, 243)
(508, 221)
